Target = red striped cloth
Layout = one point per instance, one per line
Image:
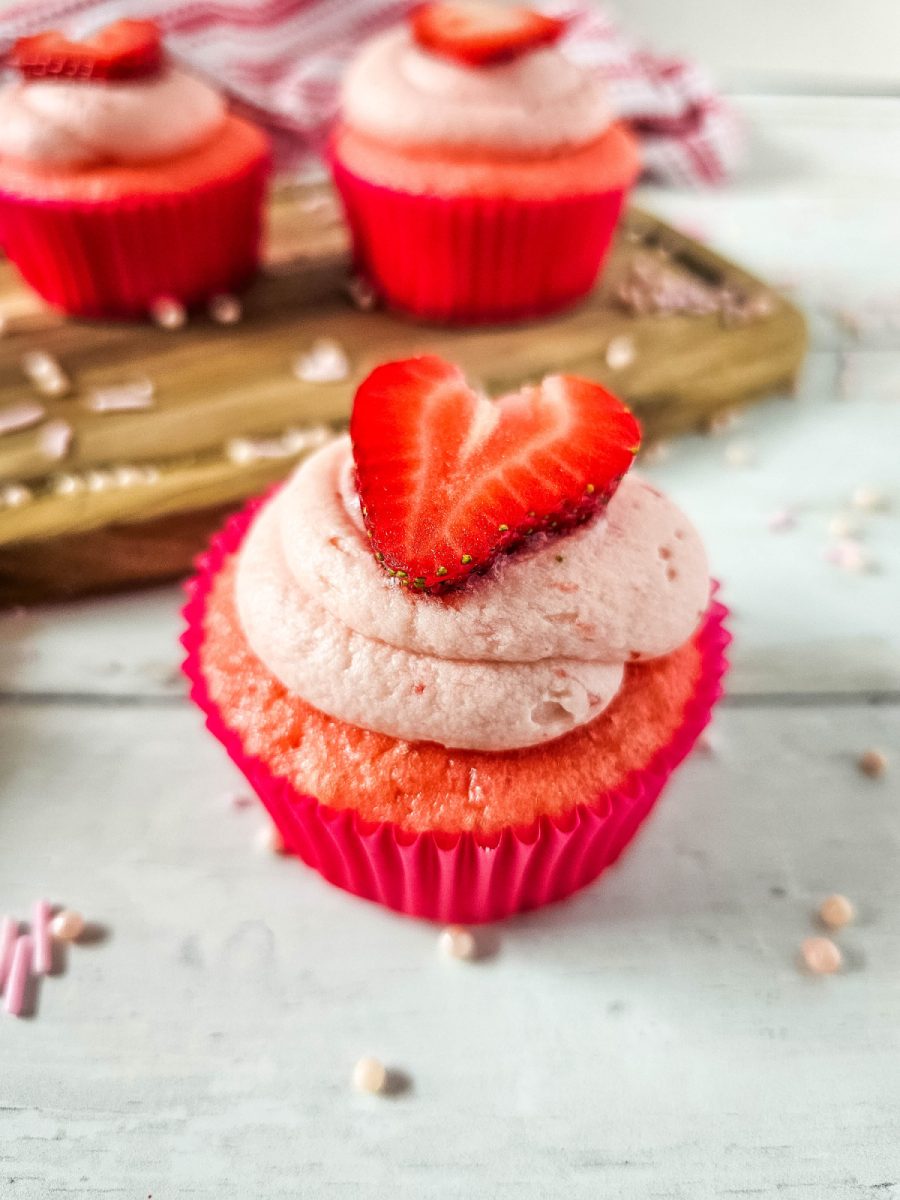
(281, 61)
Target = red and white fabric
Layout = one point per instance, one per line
(281, 60)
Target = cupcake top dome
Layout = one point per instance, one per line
(111, 99)
(472, 75)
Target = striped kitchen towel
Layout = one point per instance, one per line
(281, 60)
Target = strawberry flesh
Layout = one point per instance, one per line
(124, 50)
(482, 34)
(448, 479)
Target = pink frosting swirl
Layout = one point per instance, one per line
(69, 125)
(535, 649)
(534, 104)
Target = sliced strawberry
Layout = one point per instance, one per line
(481, 34)
(124, 50)
(449, 479)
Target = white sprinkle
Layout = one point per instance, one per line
(836, 911)
(67, 925)
(45, 372)
(781, 520)
(225, 309)
(128, 476)
(67, 485)
(149, 475)
(870, 500)
(722, 421)
(324, 362)
(656, 453)
(361, 293)
(841, 526)
(168, 313)
(821, 956)
(458, 942)
(738, 454)
(123, 397)
(14, 495)
(249, 450)
(100, 481)
(55, 439)
(620, 353)
(848, 555)
(21, 416)
(370, 1075)
(270, 840)
(873, 763)
(296, 441)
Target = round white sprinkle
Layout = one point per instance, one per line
(14, 495)
(458, 942)
(872, 763)
(324, 362)
(737, 454)
(620, 353)
(67, 925)
(724, 420)
(869, 499)
(55, 439)
(168, 313)
(99, 481)
(361, 293)
(821, 956)
(657, 452)
(67, 485)
(128, 476)
(269, 839)
(370, 1075)
(836, 911)
(225, 309)
(842, 526)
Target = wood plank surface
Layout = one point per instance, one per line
(215, 384)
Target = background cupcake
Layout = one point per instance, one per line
(124, 180)
(457, 678)
(481, 170)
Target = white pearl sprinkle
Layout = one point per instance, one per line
(458, 942)
(842, 526)
(869, 499)
(361, 293)
(370, 1075)
(737, 454)
(67, 925)
(67, 485)
(324, 362)
(836, 911)
(99, 481)
(270, 840)
(168, 313)
(620, 353)
(225, 309)
(14, 495)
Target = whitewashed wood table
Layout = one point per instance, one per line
(651, 1038)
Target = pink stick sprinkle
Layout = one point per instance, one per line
(40, 932)
(9, 931)
(18, 975)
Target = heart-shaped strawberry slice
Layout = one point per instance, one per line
(482, 34)
(124, 50)
(448, 479)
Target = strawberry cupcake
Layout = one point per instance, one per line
(481, 170)
(460, 651)
(123, 179)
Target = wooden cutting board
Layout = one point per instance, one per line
(135, 494)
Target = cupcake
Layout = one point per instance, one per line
(123, 179)
(481, 170)
(459, 652)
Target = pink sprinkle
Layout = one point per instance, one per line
(9, 931)
(18, 975)
(781, 520)
(40, 931)
(848, 555)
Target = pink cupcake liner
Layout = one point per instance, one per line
(471, 259)
(116, 258)
(465, 877)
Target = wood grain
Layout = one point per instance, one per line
(214, 384)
